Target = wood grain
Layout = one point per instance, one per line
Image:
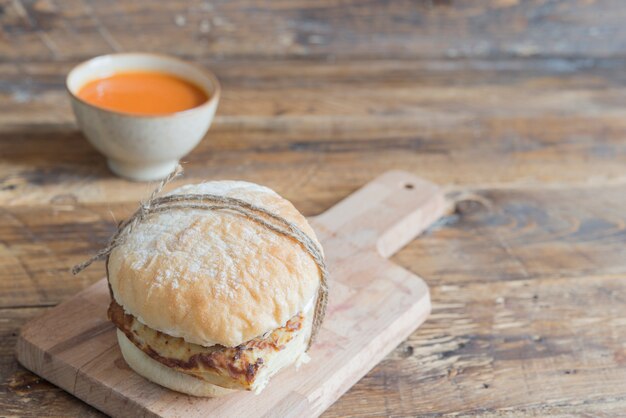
(552, 347)
(560, 128)
(516, 107)
(23, 393)
(374, 306)
(41, 30)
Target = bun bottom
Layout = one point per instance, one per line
(160, 374)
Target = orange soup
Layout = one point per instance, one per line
(143, 93)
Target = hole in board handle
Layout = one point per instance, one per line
(408, 186)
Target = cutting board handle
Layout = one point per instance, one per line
(385, 214)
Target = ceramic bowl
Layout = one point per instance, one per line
(140, 147)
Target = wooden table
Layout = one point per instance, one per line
(517, 108)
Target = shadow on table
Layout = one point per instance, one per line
(45, 155)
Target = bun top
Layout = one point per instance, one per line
(215, 276)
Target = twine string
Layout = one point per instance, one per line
(211, 202)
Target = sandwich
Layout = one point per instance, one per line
(210, 298)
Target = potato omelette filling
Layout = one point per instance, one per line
(230, 367)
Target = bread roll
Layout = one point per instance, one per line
(211, 301)
(214, 277)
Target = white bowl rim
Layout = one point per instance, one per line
(214, 96)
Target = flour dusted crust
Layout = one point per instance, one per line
(214, 277)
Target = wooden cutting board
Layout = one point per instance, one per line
(373, 306)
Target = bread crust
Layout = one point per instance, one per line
(214, 277)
